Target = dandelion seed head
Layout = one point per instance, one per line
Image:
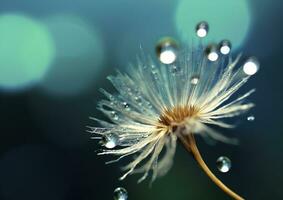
(156, 104)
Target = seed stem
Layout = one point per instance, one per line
(190, 144)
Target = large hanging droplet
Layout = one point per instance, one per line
(223, 164)
(225, 47)
(202, 29)
(166, 50)
(251, 66)
(211, 52)
(120, 194)
(251, 118)
(110, 140)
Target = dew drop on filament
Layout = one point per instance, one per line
(126, 106)
(120, 194)
(110, 140)
(194, 80)
(114, 115)
(223, 164)
(225, 47)
(202, 29)
(212, 53)
(251, 66)
(166, 50)
(251, 118)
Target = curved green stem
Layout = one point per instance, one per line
(190, 144)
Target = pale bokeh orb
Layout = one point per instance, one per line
(26, 51)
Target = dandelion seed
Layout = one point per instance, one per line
(167, 106)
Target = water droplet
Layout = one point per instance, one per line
(202, 29)
(175, 70)
(223, 164)
(225, 47)
(126, 106)
(212, 53)
(120, 194)
(110, 140)
(139, 101)
(251, 118)
(114, 115)
(194, 80)
(166, 50)
(251, 66)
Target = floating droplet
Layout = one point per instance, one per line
(223, 164)
(251, 66)
(166, 50)
(114, 115)
(202, 29)
(225, 47)
(120, 194)
(110, 140)
(212, 53)
(195, 80)
(251, 118)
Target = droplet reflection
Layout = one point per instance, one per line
(120, 194)
(223, 164)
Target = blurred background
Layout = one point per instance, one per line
(56, 54)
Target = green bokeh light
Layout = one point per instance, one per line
(227, 19)
(79, 55)
(26, 51)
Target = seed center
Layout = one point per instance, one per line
(176, 115)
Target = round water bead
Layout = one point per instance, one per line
(202, 29)
(166, 50)
(194, 80)
(251, 118)
(223, 164)
(120, 194)
(251, 66)
(126, 106)
(110, 140)
(225, 47)
(114, 115)
(211, 52)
